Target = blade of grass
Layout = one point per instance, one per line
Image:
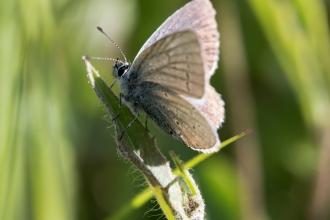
(145, 195)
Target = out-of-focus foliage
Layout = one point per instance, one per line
(58, 159)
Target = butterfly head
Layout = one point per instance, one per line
(120, 68)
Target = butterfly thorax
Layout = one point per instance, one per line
(129, 85)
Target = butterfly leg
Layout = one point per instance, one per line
(121, 95)
(112, 84)
(146, 124)
(129, 125)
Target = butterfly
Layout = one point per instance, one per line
(169, 79)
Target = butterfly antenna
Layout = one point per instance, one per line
(98, 58)
(100, 29)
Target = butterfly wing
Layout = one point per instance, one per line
(175, 62)
(199, 17)
(179, 118)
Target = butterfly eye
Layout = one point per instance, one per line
(122, 69)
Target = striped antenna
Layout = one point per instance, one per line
(99, 58)
(100, 29)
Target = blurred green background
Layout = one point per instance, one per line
(58, 159)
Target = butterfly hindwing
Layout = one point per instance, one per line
(199, 17)
(179, 118)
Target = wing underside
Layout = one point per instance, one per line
(174, 62)
(180, 119)
(197, 16)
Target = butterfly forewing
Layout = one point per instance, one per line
(174, 62)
